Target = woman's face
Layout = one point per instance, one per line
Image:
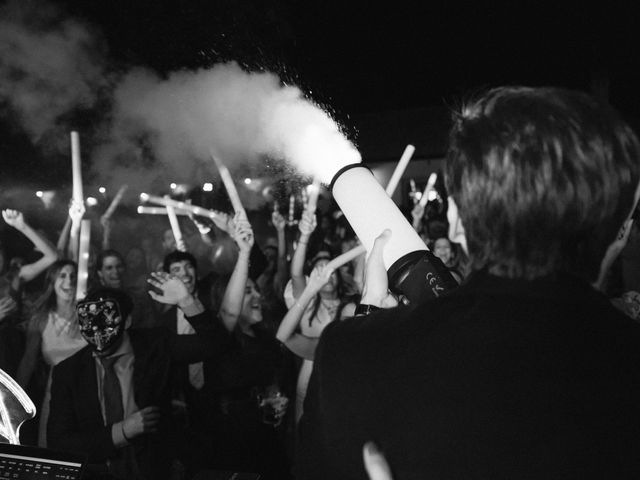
(442, 250)
(251, 305)
(65, 283)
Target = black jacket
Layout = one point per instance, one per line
(499, 379)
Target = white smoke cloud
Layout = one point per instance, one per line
(160, 129)
(50, 66)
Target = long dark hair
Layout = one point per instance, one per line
(47, 300)
(341, 293)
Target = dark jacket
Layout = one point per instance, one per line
(75, 422)
(499, 379)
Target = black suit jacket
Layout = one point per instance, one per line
(75, 422)
(500, 379)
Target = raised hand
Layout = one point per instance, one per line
(243, 233)
(278, 221)
(174, 291)
(374, 463)
(223, 221)
(76, 211)
(307, 223)
(319, 277)
(142, 421)
(13, 218)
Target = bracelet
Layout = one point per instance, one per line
(127, 439)
(364, 309)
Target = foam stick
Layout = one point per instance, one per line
(114, 203)
(76, 169)
(314, 192)
(229, 185)
(400, 168)
(175, 228)
(292, 206)
(346, 257)
(143, 209)
(83, 259)
(430, 184)
(305, 197)
(169, 202)
(412, 184)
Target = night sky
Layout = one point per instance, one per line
(354, 57)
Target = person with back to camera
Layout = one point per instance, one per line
(525, 370)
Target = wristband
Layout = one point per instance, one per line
(364, 309)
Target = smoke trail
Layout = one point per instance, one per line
(157, 129)
(50, 67)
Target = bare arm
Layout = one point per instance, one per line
(49, 254)
(234, 293)
(63, 239)
(76, 212)
(298, 280)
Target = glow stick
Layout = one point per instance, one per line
(83, 259)
(145, 210)
(346, 257)
(305, 198)
(114, 203)
(430, 184)
(229, 185)
(175, 228)
(169, 202)
(313, 196)
(400, 168)
(412, 185)
(292, 206)
(76, 169)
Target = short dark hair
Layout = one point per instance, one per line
(543, 178)
(105, 254)
(178, 256)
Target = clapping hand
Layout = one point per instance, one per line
(174, 291)
(13, 218)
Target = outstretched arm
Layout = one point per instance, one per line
(235, 291)
(307, 225)
(49, 254)
(302, 345)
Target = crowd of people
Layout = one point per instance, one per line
(167, 367)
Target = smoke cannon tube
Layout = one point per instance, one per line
(412, 269)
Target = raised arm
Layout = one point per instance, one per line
(76, 212)
(49, 254)
(235, 291)
(302, 345)
(63, 239)
(306, 226)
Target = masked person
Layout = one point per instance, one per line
(111, 400)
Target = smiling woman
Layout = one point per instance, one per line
(52, 336)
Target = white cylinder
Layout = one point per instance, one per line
(83, 259)
(370, 210)
(76, 168)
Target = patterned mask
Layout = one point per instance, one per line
(101, 323)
